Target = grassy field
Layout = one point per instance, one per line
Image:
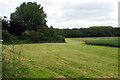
(73, 59)
(105, 42)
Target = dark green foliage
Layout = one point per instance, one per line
(56, 39)
(7, 37)
(17, 28)
(117, 31)
(5, 24)
(95, 31)
(28, 25)
(60, 39)
(113, 43)
(33, 37)
(30, 14)
(38, 37)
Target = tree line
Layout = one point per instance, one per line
(28, 25)
(93, 31)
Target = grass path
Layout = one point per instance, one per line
(72, 59)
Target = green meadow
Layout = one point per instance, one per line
(107, 42)
(73, 59)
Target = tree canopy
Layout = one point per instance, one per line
(30, 14)
(28, 25)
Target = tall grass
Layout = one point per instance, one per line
(0, 68)
(12, 66)
(112, 43)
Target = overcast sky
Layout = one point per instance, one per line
(71, 13)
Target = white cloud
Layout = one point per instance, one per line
(71, 13)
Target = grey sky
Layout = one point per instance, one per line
(71, 13)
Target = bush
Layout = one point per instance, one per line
(8, 38)
(60, 39)
(39, 37)
(33, 37)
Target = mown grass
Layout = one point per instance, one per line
(73, 59)
(112, 43)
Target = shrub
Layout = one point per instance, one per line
(8, 38)
(60, 38)
(33, 37)
(39, 37)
